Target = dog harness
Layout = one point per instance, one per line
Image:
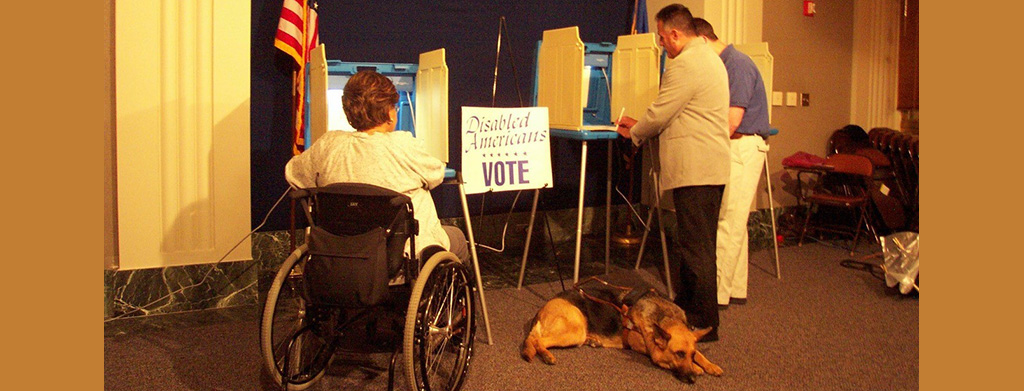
(631, 297)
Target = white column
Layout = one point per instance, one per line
(735, 21)
(733, 28)
(182, 131)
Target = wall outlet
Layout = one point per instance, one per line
(776, 98)
(791, 99)
(805, 99)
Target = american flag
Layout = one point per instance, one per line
(639, 17)
(297, 35)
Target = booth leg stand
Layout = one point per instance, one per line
(661, 231)
(643, 239)
(476, 260)
(771, 208)
(529, 234)
(579, 214)
(664, 243)
(608, 212)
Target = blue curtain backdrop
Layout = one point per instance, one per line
(397, 31)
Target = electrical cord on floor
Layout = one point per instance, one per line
(876, 270)
(212, 267)
(630, 205)
(828, 243)
(503, 230)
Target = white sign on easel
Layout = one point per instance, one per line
(505, 149)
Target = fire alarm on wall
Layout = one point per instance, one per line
(808, 8)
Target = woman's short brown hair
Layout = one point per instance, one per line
(368, 99)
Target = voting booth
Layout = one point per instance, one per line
(586, 87)
(631, 67)
(327, 79)
(765, 62)
(636, 73)
(572, 81)
(425, 118)
(402, 75)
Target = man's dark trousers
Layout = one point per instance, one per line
(697, 209)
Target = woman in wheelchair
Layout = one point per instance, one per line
(378, 155)
(357, 190)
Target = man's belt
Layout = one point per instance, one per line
(738, 135)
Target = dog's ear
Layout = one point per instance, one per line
(700, 333)
(661, 337)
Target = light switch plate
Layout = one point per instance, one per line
(791, 99)
(776, 98)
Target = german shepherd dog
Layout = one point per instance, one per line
(641, 320)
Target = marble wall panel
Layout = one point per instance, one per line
(180, 288)
(144, 292)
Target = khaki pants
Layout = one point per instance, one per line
(747, 164)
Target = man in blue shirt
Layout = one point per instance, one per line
(748, 128)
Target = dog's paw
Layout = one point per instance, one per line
(698, 371)
(713, 370)
(547, 358)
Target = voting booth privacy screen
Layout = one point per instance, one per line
(587, 86)
(402, 75)
(426, 118)
(572, 80)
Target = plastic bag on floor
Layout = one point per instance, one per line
(900, 251)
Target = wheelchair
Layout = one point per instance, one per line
(356, 261)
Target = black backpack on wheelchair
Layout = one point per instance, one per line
(358, 258)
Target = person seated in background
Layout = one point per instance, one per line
(378, 155)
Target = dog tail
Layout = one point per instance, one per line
(529, 347)
(534, 347)
(530, 344)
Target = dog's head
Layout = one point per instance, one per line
(674, 347)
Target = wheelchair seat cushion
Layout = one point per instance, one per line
(347, 270)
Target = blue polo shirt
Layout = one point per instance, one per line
(746, 90)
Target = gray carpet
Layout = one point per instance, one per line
(822, 327)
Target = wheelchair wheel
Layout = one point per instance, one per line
(440, 325)
(290, 325)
